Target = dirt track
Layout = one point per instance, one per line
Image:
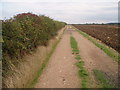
(62, 72)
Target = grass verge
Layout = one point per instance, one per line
(80, 64)
(74, 45)
(113, 54)
(102, 79)
(35, 80)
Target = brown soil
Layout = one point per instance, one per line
(108, 34)
(62, 72)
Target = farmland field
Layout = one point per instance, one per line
(108, 34)
(60, 44)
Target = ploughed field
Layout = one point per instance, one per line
(108, 34)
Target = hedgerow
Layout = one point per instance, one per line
(23, 33)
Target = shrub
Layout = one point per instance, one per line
(23, 33)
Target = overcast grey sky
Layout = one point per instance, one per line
(70, 11)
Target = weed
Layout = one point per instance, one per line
(74, 45)
(80, 64)
(102, 79)
(77, 57)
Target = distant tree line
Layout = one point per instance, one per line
(97, 24)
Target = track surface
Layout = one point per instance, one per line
(61, 71)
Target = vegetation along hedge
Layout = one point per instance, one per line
(23, 33)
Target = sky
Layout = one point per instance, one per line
(70, 11)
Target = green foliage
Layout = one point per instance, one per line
(83, 74)
(78, 57)
(74, 45)
(23, 33)
(102, 79)
(80, 64)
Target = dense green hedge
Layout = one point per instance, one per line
(23, 33)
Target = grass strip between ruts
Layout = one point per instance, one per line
(80, 64)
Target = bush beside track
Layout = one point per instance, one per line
(23, 33)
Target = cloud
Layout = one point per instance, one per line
(59, 1)
(70, 11)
